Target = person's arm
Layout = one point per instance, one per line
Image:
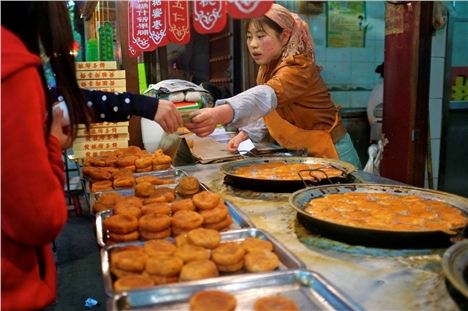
(238, 111)
(33, 204)
(255, 131)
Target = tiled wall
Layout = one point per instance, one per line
(349, 72)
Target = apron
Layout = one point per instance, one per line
(319, 143)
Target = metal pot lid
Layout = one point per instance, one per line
(455, 266)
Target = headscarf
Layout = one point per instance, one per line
(300, 40)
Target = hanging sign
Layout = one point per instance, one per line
(209, 16)
(158, 22)
(138, 25)
(179, 22)
(248, 8)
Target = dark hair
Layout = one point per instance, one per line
(48, 23)
(380, 70)
(263, 20)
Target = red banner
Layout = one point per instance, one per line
(179, 22)
(158, 22)
(248, 8)
(209, 16)
(138, 25)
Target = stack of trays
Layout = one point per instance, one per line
(291, 279)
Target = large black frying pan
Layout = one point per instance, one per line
(373, 237)
(276, 185)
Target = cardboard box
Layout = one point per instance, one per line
(104, 124)
(100, 145)
(109, 83)
(111, 130)
(100, 74)
(112, 65)
(100, 138)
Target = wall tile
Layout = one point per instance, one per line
(341, 98)
(362, 73)
(363, 55)
(435, 149)
(337, 72)
(438, 43)
(338, 55)
(360, 99)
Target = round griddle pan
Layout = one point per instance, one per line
(374, 237)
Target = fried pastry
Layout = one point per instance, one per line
(232, 268)
(144, 189)
(164, 265)
(214, 215)
(261, 261)
(162, 208)
(185, 204)
(154, 222)
(188, 185)
(228, 254)
(129, 201)
(206, 238)
(275, 303)
(102, 185)
(149, 178)
(121, 224)
(212, 300)
(129, 260)
(159, 248)
(197, 270)
(127, 237)
(127, 210)
(189, 252)
(110, 198)
(132, 282)
(187, 220)
(253, 244)
(149, 235)
(206, 200)
(223, 224)
(124, 182)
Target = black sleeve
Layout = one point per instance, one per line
(115, 107)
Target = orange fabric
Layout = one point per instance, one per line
(318, 143)
(305, 110)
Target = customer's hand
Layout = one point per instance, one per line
(233, 144)
(205, 120)
(56, 129)
(167, 116)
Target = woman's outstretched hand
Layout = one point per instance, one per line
(167, 116)
(233, 144)
(205, 120)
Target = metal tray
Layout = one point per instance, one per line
(374, 237)
(283, 185)
(288, 260)
(308, 289)
(455, 266)
(239, 221)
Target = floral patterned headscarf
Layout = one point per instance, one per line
(300, 40)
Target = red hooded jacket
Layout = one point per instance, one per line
(32, 197)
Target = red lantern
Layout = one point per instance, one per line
(158, 22)
(248, 8)
(179, 22)
(209, 16)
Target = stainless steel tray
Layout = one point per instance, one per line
(308, 289)
(239, 221)
(288, 260)
(455, 266)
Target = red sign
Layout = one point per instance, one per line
(248, 8)
(209, 16)
(138, 26)
(179, 22)
(158, 22)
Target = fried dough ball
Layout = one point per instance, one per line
(130, 260)
(228, 254)
(126, 161)
(197, 270)
(188, 185)
(206, 200)
(214, 215)
(149, 235)
(110, 198)
(251, 244)
(143, 162)
(159, 248)
(159, 279)
(127, 210)
(127, 237)
(185, 204)
(124, 182)
(164, 265)
(212, 300)
(154, 222)
(223, 224)
(149, 178)
(121, 224)
(189, 252)
(132, 282)
(206, 238)
(144, 189)
(275, 303)
(232, 268)
(261, 261)
(162, 208)
(102, 185)
(187, 220)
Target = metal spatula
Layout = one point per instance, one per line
(170, 143)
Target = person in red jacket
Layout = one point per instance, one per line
(33, 208)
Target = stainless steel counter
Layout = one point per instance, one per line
(376, 278)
